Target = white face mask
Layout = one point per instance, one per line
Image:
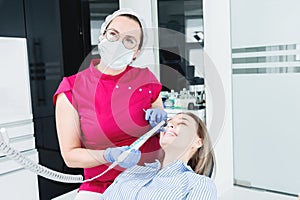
(114, 54)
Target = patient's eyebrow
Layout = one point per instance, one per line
(184, 119)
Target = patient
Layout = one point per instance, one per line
(184, 172)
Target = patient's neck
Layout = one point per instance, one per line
(170, 158)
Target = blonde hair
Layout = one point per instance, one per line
(203, 160)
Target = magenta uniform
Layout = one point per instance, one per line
(110, 109)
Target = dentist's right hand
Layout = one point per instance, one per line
(112, 154)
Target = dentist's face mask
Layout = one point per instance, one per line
(116, 54)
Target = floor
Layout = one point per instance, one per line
(68, 196)
(240, 193)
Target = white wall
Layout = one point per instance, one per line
(150, 55)
(196, 58)
(218, 55)
(253, 19)
(95, 31)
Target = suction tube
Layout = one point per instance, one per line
(61, 177)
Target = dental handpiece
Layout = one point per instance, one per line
(135, 145)
(139, 142)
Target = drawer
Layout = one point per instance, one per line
(21, 144)
(20, 184)
(8, 165)
(20, 129)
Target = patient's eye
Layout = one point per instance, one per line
(181, 123)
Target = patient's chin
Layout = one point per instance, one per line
(166, 140)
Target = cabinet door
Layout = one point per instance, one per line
(15, 101)
(17, 182)
(21, 184)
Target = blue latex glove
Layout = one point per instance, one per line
(155, 115)
(112, 154)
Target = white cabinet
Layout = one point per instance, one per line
(16, 182)
(15, 101)
(19, 185)
(16, 117)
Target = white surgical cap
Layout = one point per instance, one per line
(122, 11)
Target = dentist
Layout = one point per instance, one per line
(100, 110)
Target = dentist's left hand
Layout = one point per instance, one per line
(112, 154)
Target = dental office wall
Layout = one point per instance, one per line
(266, 95)
(217, 62)
(262, 92)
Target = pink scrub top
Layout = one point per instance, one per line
(110, 109)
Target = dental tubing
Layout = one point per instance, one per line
(68, 178)
(34, 167)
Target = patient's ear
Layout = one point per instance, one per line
(198, 143)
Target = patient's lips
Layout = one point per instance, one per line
(167, 137)
(170, 133)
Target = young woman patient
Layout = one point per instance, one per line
(184, 172)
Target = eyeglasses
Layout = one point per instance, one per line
(128, 41)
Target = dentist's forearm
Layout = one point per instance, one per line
(83, 158)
